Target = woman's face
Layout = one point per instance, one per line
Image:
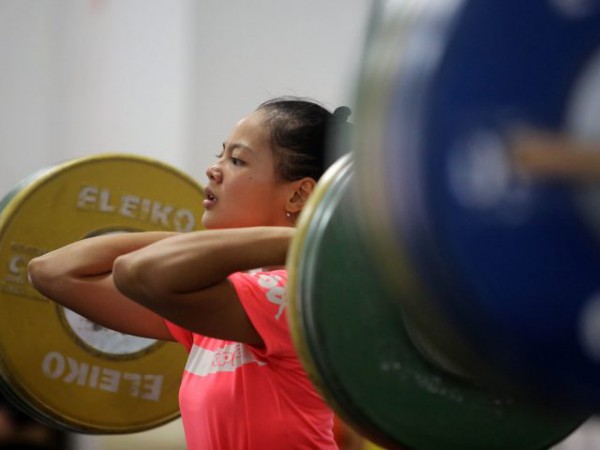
(243, 189)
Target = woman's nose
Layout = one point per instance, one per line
(214, 173)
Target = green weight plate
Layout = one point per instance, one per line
(351, 336)
(55, 365)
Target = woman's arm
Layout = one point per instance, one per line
(184, 278)
(79, 277)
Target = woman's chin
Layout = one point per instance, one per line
(208, 221)
(212, 222)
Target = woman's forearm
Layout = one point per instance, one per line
(79, 277)
(92, 257)
(194, 261)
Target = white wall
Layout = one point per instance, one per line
(162, 78)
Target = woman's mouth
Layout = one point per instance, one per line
(209, 199)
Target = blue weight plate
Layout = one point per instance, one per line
(509, 260)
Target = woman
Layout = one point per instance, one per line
(243, 386)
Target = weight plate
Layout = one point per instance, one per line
(56, 365)
(352, 339)
(9, 394)
(510, 261)
(386, 55)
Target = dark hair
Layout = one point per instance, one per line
(301, 132)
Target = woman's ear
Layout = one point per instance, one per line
(301, 190)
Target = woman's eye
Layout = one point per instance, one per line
(236, 161)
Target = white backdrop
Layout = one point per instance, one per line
(162, 78)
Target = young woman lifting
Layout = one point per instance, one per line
(221, 291)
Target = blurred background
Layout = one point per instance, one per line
(161, 78)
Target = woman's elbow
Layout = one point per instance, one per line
(134, 277)
(42, 275)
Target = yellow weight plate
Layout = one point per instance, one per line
(59, 366)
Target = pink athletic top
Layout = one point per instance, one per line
(234, 396)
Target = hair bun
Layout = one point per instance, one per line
(341, 114)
